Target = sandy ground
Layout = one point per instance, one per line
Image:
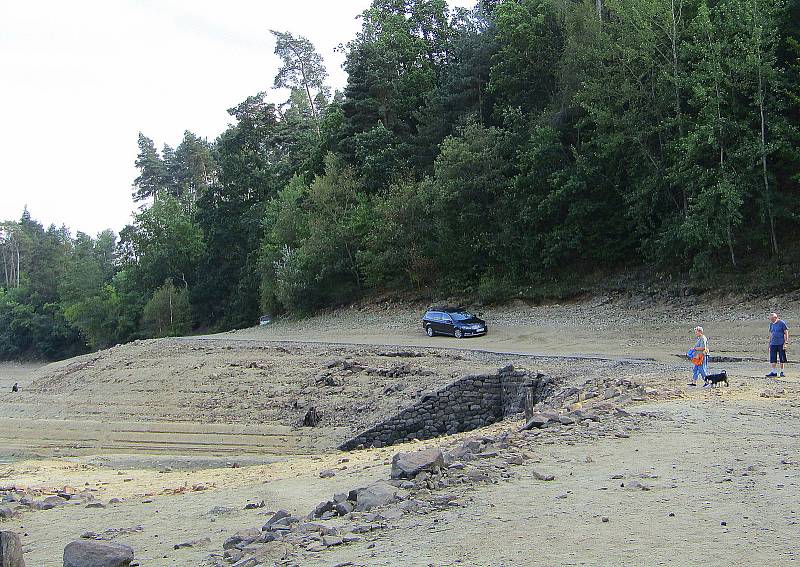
(11, 372)
(623, 326)
(159, 425)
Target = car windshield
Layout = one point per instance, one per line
(461, 316)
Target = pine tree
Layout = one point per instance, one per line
(152, 171)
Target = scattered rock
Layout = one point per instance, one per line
(545, 477)
(329, 541)
(241, 539)
(327, 473)
(409, 465)
(91, 553)
(379, 494)
(277, 516)
(194, 543)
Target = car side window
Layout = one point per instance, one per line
(446, 318)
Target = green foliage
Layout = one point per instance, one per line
(167, 313)
(508, 148)
(309, 255)
(166, 243)
(31, 331)
(531, 38)
(400, 243)
(152, 171)
(492, 289)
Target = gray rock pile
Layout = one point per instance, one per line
(573, 405)
(16, 501)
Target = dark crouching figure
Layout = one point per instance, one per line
(15, 387)
(312, 418)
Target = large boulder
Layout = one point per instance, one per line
(409, 465)
(10, 550)
(379, 494)
(91, 553)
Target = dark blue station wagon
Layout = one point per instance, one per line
(454, 322)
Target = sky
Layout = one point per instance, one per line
(79, 80)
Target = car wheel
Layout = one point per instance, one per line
(429, 330)
(459, 333)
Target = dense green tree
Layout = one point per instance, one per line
(166, 243)
(153, 176)
(310, 252)
(531, 40)
(231, 211)
(190, 170)
(303, 70)
(392, 65)
(167, 313)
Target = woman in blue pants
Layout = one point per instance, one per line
(701, 346)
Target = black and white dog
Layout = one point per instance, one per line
(715, 379)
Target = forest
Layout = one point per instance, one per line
(485, 153)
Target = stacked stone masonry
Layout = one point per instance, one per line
(469, 403)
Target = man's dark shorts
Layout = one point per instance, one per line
(776, 351)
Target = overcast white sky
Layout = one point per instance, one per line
(80, 79)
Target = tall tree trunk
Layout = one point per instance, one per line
(5, 265)
(353, 266)
(16, 249)
(599, 4)
(311, 102)
(721, 141)
(763, 141)
(677, 17)
(480, 104)
(730, 244)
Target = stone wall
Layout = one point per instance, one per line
(468, 403)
